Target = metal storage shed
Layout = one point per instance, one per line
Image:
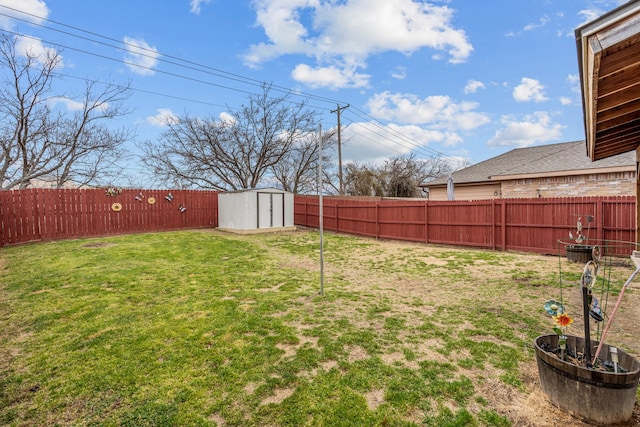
(255, 210)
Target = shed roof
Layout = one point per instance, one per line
(258, 190)
(567, 158)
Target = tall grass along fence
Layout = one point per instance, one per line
(52, 214)
(529, 225)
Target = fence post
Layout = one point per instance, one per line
(599, 220)
(504, 224)
(426, 221)
(306, 213)
(493, 224)
(377, 220)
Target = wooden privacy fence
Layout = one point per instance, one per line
(52, 214)
(530, 225)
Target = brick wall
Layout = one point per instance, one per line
(609, 184)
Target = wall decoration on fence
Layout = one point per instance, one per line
(139, 197)
(113, 191)
(169, 197)
(116, 207)
(182, 208)
(151, 200)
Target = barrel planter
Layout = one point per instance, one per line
(597, 397)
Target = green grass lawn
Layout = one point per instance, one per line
(205, 328)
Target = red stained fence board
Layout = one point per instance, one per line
(41, 214)
(529, 225)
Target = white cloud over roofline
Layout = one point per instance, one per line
(437, 111)
(529, 90)
(529, 130)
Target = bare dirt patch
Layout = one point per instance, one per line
(280, 395)
(410, 282)
(379, 270)
(374, 398)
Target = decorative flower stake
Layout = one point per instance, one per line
(554, 307)
(562, 320)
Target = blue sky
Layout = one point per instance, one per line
(465, 79)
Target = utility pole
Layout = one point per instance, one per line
(338, 110)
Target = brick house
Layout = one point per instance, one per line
(554, 170)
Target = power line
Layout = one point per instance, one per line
(154, 54)
(409, 143)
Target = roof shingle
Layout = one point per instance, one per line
(541, 159)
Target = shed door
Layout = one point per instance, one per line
(270, 210)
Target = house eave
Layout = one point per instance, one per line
(609, 62)
(589, 171)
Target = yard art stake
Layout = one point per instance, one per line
(635, 257)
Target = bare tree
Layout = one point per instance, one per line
(297, 171)
(403, 174)
(40, 141)
(233, 153)
(363, 180)
(400, 176)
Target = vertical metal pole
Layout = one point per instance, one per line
(587, 329)
(321, 214)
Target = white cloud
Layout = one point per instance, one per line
(399, 73)
(164, 118)
(369, 143)
(337, 34)
(532, 129)
(73, 105)
(541, 23)
(418, 122)
(196, 6)
(472, 86)
(332, 77)
(529, 90)
(565, 100)
(69, 104)
(589, 15)
(141, 58)
(440, 112)
(33, 47)
(226, 117)
(34, 11)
